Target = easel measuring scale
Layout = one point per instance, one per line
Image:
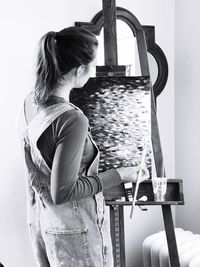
(144, 36)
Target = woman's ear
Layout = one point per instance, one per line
(80, 70)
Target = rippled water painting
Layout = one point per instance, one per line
(119, 113)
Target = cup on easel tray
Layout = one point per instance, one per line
(159, 185)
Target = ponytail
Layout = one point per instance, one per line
(58, 54)
(47, 70)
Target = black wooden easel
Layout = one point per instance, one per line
(145, 41)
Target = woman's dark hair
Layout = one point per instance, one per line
(60, 52)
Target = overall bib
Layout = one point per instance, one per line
(72, 234)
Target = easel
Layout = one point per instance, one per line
(145, 40)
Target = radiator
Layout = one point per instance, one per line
(155, 250)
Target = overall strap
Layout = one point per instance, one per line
(44, 119)
(38, 125)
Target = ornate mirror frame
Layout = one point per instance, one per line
(97, 24)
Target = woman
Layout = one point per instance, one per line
(66, 208)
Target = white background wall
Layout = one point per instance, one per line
(187, 110)
(22, 24)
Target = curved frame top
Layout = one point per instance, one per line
(97, 24)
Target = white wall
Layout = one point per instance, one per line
(22, 24)
(187, 95)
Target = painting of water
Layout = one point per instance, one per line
(119, 114)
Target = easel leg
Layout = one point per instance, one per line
(117, 234)
(170, 234)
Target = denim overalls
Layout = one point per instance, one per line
(74, 233)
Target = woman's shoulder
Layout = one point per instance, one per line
(69, 119)
(69, 124)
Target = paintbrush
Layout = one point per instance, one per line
(138, 179)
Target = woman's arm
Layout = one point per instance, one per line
(66, 184)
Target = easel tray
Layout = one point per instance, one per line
(119, 194)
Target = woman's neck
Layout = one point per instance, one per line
(62, 93)
(64, 90)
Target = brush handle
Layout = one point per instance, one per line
(138, 180)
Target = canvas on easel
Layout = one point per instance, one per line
(119, 113)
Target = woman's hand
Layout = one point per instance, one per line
(130, 174)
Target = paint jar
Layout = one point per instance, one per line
(159, 188)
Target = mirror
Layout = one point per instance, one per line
(153, 67)
(127, 52)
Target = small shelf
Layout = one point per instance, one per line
(174, 194)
